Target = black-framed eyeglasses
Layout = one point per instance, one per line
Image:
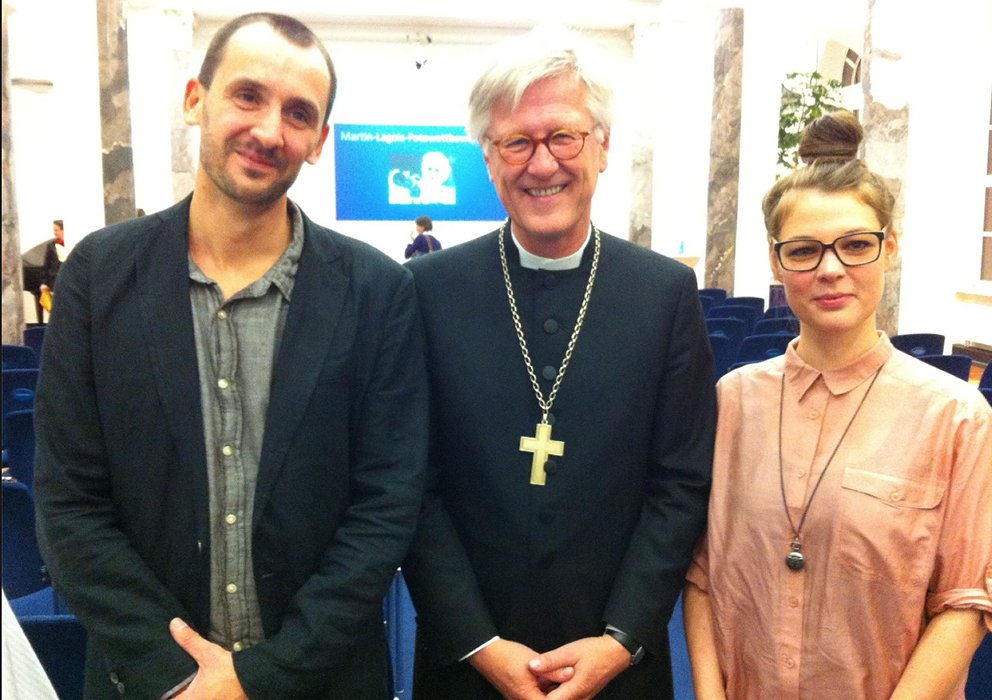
(564, 144)
(852, 249)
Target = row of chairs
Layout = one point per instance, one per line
(57, 637)
(34, 338)
(929, 347)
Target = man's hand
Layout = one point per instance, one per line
(216, 679)
(505, 666)
(595, 660)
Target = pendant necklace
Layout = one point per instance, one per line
(541, 445)
(795, 559)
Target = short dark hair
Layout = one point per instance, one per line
(58, 222)
(424, 221)
(287, 27)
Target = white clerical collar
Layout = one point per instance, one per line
(536, 262)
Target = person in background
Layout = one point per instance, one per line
(422, 241)
(231, 417)
(40, 281)
(547, 563)
(849, 542)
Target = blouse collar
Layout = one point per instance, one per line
(801, 376)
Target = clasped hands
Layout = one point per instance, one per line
(576, 671)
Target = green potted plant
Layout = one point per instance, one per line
(805, 96)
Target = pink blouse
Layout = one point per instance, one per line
(899, 530)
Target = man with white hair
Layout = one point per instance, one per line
(548, 559)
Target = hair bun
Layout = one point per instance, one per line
(833, 137)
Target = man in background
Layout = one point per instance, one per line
(39, 278)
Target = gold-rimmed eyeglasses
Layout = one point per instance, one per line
(852, 249)
(564, 144)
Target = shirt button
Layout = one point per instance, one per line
(231, 588)
(551, 466)
(551, 326)
(549, 372)
(227, 450)
(222, 315)
(801, 475)
(223, 383)
(896, 496)
(237, 646)
(793, 602)
(230, 518)
(790, 663)
(814, 414)
(549, 281)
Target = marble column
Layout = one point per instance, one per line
(115, 112)
(886, 124)
(642, 148)
(725, 146)
(13, 303)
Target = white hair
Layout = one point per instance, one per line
(541, 53)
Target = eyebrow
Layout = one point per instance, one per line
(296, 102)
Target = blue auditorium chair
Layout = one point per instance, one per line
(401, 632)
(987, 393)
(919, 344)
(747, 314)
(756, 303)
(34, 337)
(18, 389)
(979, 685)
(23, 569)
(986, 381)
(779, 312)
(18, 441)
(732, 328)
(19, 357)
(59, 642)
(782, 324)
(724, 353)
(958, 365)
(714, 293)
(681, 670)
(755, 348)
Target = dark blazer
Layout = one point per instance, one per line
(609, 538)
(121, 471)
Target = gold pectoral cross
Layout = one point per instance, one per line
(542, 446)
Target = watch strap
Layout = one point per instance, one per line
(628, 643)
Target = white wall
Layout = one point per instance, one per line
(948, 88)
(55, 132)
(57, 152)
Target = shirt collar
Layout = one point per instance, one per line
(282, 274)
(536, 262)
(801, 376)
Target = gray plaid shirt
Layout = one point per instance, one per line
(236, 344)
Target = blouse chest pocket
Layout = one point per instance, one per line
(889, 524)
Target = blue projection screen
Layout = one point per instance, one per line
(397, 173)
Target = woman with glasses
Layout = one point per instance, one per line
(849, 545)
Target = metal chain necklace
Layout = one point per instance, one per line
(541, 445)
(795, 559)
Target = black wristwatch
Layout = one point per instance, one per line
(628, 643)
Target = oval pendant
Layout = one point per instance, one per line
(795, 560)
